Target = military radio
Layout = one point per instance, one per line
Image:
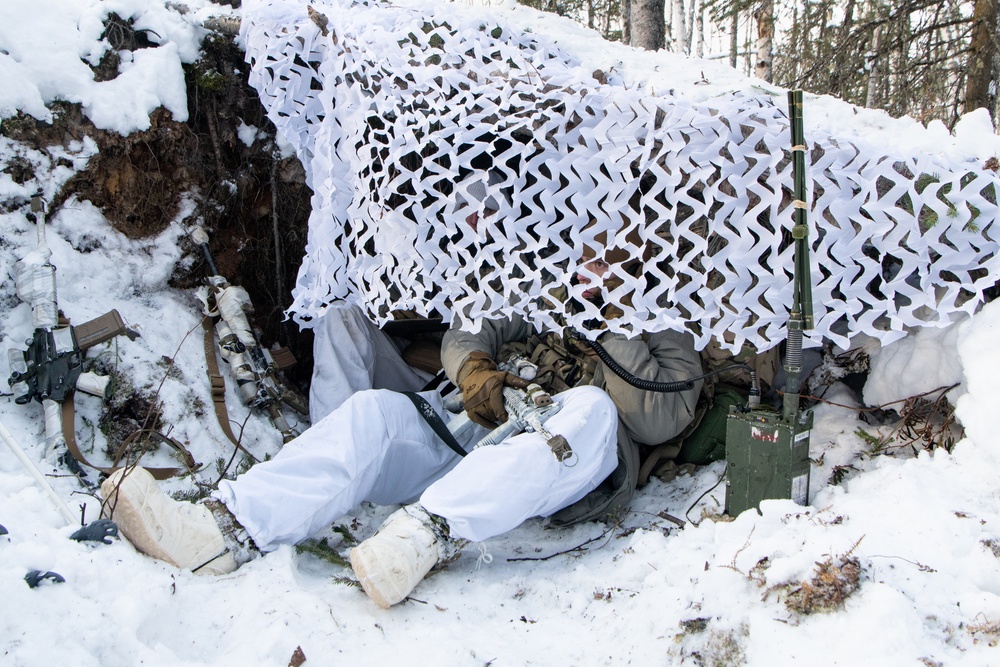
(767, 454)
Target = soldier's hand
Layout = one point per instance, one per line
(482, 390)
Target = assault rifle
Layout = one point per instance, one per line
(257, 374)
(50, 370)
(528, 407)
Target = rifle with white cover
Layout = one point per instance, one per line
(252, 366)
(528, 407)
(50, 370)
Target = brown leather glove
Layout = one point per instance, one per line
(482, 390)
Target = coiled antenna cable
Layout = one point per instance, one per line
(665, 387)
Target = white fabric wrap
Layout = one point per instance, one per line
(231, 303)
(396, 108)
(35, 278)
(55, 441)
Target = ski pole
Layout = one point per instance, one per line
(36, 473)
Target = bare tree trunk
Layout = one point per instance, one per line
(842, 72)
(690, 25)
(765, 39)
(994, 93)
(646, 24)
(898, 99)
(981, 54)
(874, 62)
(788, 62)
(679, 27)
(734, 42)
(627, 21)
(699, 21)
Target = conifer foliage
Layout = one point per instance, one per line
(929, 59)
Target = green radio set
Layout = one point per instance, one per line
(767, 457)
(767, 454)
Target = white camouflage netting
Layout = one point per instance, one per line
(395, 113)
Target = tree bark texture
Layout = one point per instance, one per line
(679, 27)
(627, 21)
(874, 63)
(699, 22)
(647, 24)
(765, 40)
(734, 40)
(981, 53)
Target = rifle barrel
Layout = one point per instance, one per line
(200, 238)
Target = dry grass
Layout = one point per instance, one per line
(987, 631)
(834, 580)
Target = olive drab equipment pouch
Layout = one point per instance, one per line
(707, 442)
(561, 363)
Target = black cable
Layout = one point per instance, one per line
(651, 385)
(695, 503)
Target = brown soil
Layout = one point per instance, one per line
(138, 181)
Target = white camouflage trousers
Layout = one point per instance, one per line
(376, 447)
(351, 354)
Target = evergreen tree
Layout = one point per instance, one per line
(930, 59)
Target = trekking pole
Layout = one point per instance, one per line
(101, 530)
(37, 474)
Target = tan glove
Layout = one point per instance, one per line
(482, 390)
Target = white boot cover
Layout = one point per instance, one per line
(181, 533)
(393, 561)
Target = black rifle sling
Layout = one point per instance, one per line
(425, 410)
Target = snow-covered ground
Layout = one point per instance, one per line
(924, 529)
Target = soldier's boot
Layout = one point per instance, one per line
(392, 562)
(202, 537)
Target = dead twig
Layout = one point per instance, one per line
(577, 548)
(818, 399)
